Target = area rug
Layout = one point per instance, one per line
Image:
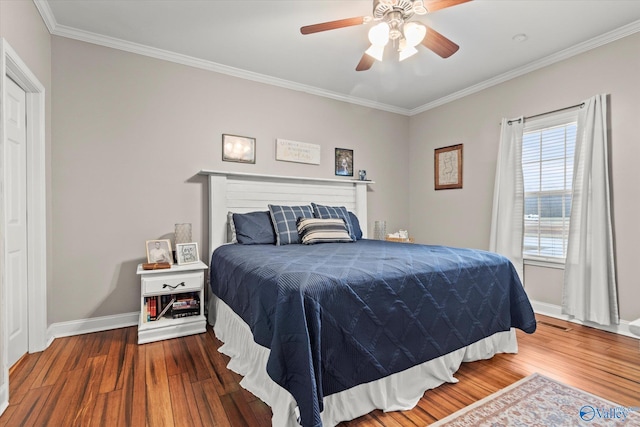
(540, 401)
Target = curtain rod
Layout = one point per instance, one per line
(548, 112)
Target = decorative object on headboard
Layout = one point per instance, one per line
(448, 167)
(362, 175)
(297, 152)
(238, 149)
(344, 162)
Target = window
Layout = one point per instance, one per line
(548, 148)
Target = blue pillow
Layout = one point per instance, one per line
(355, 223)
(340, 212)
(254, 228)
(284, 220)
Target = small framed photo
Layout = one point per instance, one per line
(448, 167)
(238, 149)
(187, 253)
(344, 162)
(159, 251)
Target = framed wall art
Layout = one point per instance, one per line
(238, 149)
(448, 167)
(344, 162)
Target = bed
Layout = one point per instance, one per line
(327, 332)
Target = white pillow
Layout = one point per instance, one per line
(231, 229)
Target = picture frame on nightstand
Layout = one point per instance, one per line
(159, 251)
(187, 253)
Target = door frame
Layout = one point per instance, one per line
(12, 66)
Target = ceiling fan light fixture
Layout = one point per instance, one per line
(414, 33)
(406, 50)
(394, 19)
(418, 7)
(375, 52)
(379, 34)
(395, 34)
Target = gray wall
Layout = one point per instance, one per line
(463, 217)
(131, 133)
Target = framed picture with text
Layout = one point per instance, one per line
(187, 253)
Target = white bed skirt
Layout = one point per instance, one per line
(400, 391)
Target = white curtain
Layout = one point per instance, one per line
(589, 277)
(507, 219)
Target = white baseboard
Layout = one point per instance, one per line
(553, 310)
(95, 324)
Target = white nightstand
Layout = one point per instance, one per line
(179, 279)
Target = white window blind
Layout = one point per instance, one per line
(548, 149)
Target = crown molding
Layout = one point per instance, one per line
(593, 43)
(46, 14)
(165, 55)
(68, 32)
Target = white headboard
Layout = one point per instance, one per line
(247, 192)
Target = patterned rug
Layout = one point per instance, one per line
(540, 401)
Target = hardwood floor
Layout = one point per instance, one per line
(106, 379)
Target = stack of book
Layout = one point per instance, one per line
(174, 306)
(185, 305)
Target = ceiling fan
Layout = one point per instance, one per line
(393, 17)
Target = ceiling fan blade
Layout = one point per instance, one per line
(365, 62)
(439, 43)
(332, 25)
(434, 5)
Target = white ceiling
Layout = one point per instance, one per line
(261, 40)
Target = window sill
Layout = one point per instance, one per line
(538, 262)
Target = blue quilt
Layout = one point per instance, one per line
(336, 315)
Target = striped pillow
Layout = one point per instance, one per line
(317, 230)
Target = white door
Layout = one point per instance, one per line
(16, 219)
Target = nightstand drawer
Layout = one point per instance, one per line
(172, 283)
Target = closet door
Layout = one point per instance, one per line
(15, 177)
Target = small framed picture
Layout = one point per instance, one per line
(448, 167)
(238, 149)
(187, 253)
(344, 162)
(159, 251)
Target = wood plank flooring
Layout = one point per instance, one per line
(107, 379)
